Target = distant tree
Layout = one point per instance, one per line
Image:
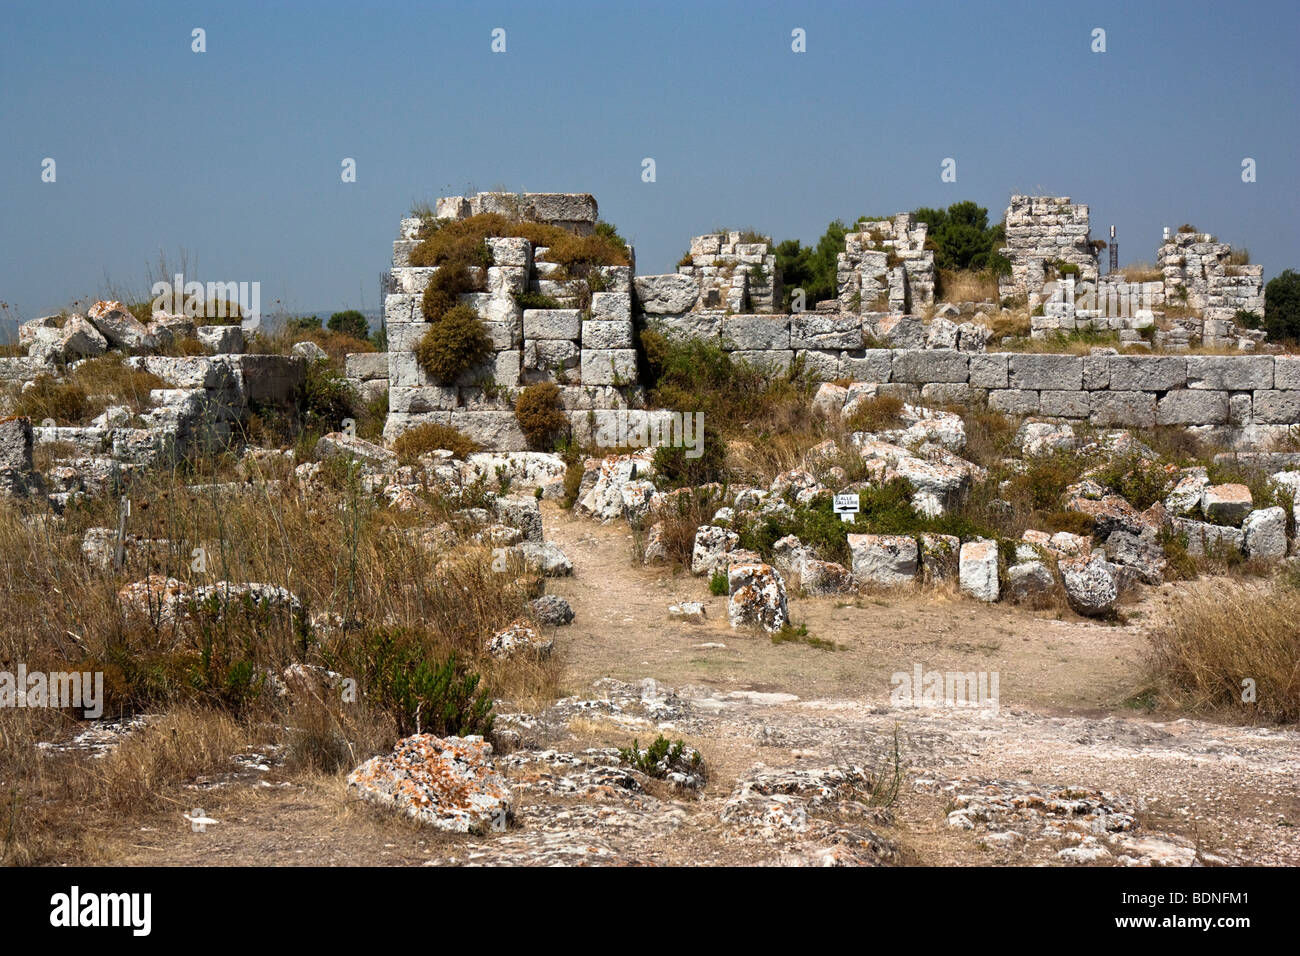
(811, 268)
(351, 323)
(961, 235)
(302, 323)
(1282, 307)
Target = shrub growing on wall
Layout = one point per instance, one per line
(422, 439)
(541, 415)
(454, 344)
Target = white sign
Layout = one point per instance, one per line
(846, 506)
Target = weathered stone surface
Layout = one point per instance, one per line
(1030, 582)
(1045, 438)
(1065, 404)
(1045, 371)
(227, 339)
(1276, 407)
(120, 327)
(520, 639)
(310, 351)
(823, 330)
(867, 365)
(599, 334)
(929, 365)
(1264, 534)
(1140, 552)
(342, 445)
(546, 558)
(757, 597)
(552, 323)
(979, 570)
(747, 333)
(1090, 586)
(1147, 373)
(1226, 504)
(989, 370)
(1235, 373)
(1013, 401)
(608, 366)
(1192, 406)
(366, 366)
(1123, 408)
(940, 557)
(1213, 540)
(883, 559)
(712, 543)
(666, 294)
(1286, 372)
(447, 783)
(1187, 493)
(611, 306)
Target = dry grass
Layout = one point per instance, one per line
(967, 286)
(1220, 634)
(84, 393)
(1142, 272)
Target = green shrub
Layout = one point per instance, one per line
(422, 439)
(1140, 482)
(674, 468)
(327, 398)
(535, 300)
(454, 344)
(541, 416)
(660, 757)
(1282, 307)
(719, 585)
(961, 235)
(434, 697)
(350, 322)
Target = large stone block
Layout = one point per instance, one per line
(498, 431)
(611, 306)
(1277, 407)
(1192, 406)
(271, 379)
(603, 334)
(883, 559)
(608, 366)
(552, 324)
(705, 326)
(821, 364)
(747, 333)
(1136, 409)
(1061, 404)
(1147, 373)
(400, 307)
(825, 330)
(989, 370)
(1014, 401)
(366, 365)
(1235, 373)
(775, 361)
(1045, 371)
(427, 398)
(867, 365)
(978, 570)
(1096, 372)
(1286, 372)
(922, 366)
(666, 294)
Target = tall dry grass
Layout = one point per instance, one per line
(1220, 634)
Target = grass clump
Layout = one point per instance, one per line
(880, 413)
(454, 344)
(431, 436)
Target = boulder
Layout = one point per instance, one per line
(711, 546)
(940, 557)
(447, 783)
(1186, 495)
(343, 445)
(547, 558)
(1090, 585)
(120, 328)
(1264, 533)
(666, 294)
(552, 610)
(1045, 438)
(310, 351)
(1213, 540)
(883, 559)
(519, 639)
(978, 570)
(757, 597)
(1140, 552)
(690, 611)
(1226, 504)
(1030, 582)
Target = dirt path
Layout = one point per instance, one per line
(1063, 772)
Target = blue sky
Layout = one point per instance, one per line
(234, 155)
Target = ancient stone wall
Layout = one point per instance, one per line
(886, 266)
(1041, 231)
(1199, 273)
(734, 275)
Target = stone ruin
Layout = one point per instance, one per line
(886, 267)
(1043, 232)
(734, 275)
(1200, 272)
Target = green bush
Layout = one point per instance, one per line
(660, 757)
(350, 322)
(675, 469)
(327, 398)
(1282, 307)
(452, 280)
(541, 416)
(961, 236)
(433, 697)
(535, 300)
(719, 586)
(454, 344)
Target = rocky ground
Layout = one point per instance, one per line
(814, 768)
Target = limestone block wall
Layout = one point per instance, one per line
(1198, 272)
(586, 345)
(733, 275)
(1041, 230)
(885, 265)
